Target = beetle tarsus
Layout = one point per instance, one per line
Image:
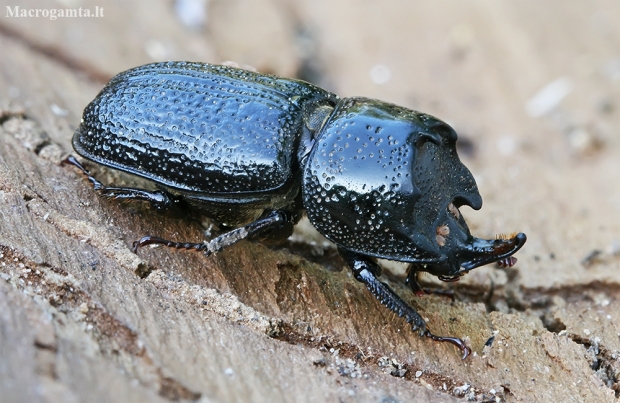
(159, 199)
(412, 282)
(71, 160)
(153, 240)
(272, 220)
(452, 340)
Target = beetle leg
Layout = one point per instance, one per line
(159, 199)
(364, 271)
(440, 292)
(272, 220)
(412, 282)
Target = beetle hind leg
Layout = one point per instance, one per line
(365, 271)
(271, 221)
(159, 199)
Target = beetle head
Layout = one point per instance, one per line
(386, 181)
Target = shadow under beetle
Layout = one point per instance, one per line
(253, 151)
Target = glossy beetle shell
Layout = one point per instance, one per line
(198, 128)
(380, 178)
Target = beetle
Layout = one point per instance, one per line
(255, 151)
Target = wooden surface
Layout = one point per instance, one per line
(83, 319)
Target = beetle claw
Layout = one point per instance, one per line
(452, 340)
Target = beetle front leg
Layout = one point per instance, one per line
(273, 220)
(365, 271)
(159, 199)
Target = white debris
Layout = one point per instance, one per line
(549, 97)
(380, 74)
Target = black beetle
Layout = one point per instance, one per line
(253, 151)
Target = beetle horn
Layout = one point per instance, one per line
(484, 251)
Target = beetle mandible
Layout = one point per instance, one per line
(254, 151)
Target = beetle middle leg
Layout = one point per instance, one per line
(159, 199)
(412, 282)
(365, 271)
(271, 221)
